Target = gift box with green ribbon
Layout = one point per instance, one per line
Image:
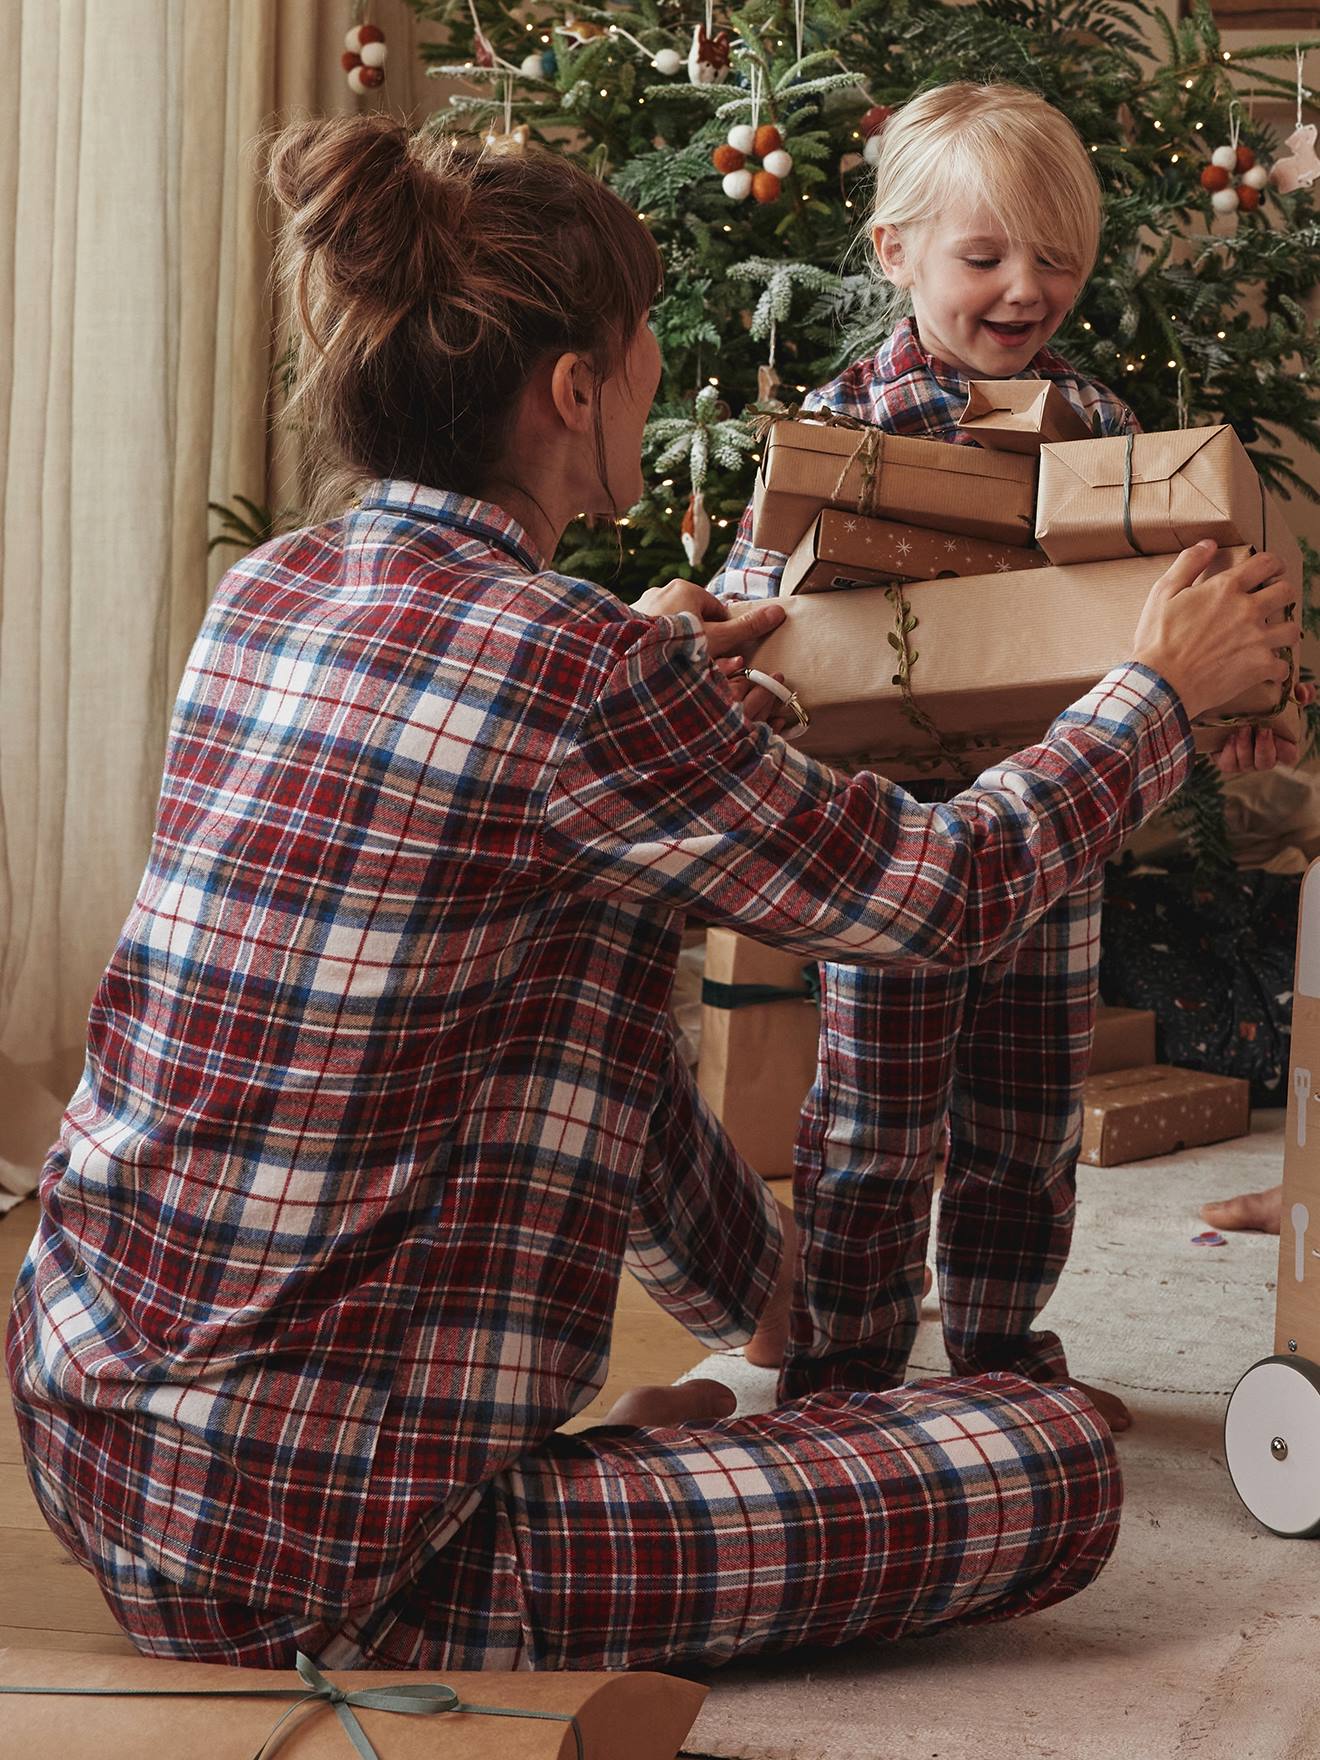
(120, 1708)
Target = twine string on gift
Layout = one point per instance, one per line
(904, 624)
(413, 1699)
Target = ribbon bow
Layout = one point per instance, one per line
(414, 1699)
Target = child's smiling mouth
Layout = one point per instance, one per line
(1011, 335)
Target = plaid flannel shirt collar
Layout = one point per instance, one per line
(904, 353)
(464, 513)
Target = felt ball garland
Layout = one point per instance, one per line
(766, 181)
(363, 60)
(1233, 178)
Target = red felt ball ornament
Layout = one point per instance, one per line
(874, 120)
(1215, 177)
(348, 61)
(1248, 198)
(1246, 158)
(370, 33)
(766, 187)
(768, 140)
(372, 76)
(726, 159)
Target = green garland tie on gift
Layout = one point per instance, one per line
(417, 1699)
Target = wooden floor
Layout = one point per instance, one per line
(49, 1603)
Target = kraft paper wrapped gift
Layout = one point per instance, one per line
(1151, 494)
(1131, 1114)
(1124, 1038)
(1019, 415)
(993, 659)
(843, 550)
(575, 1716)
(759, 1026)
(820, 459)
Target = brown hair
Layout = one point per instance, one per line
(429, 277)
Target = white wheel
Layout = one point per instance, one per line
(1272, 1444)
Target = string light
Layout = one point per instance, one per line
(1228, 54)
(721, 522)
(1173, 363)
(1173, 158)
(1085, 325)
(712, 380)
(1221, 334)
(1188, 84)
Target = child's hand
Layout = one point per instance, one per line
(1260, 748)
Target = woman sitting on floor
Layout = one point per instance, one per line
(381, 1092)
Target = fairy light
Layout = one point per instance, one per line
(712, 380)
(847, 204)
(1188, 84)
(1173, 363)
(1173, 158)
(1221, 334)
(1228, 54)
(728, 228)
(1085, 324)
(1158, 123)
(721, 522)
(666, 482)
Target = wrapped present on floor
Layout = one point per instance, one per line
(759, 1026)
(968, 671)
(1124, 1038)
(842, 550)
(1131, 1114)
(127, 1706)
(1152, 494)
(818, 459)
(1019, 415)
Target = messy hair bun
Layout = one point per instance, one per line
(429, 276)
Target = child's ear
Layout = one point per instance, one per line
(892, 255)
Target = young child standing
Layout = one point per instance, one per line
(987, 214)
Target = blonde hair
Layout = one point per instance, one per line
(1007, 145)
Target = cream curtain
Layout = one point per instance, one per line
(136, 353)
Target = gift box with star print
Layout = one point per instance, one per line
(845, 550)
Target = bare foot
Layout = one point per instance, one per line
(701, 1401)
(1109, 1406)
(1261, 1211)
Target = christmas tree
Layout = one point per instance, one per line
(742, 140)
(1194, 318)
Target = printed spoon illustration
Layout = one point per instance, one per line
(1301, 1218)
(1302, 1089)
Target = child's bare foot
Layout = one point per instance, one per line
(700, 1401)
(1261, 1211)
(1109, 1406)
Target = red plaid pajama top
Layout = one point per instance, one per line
(333, 1229)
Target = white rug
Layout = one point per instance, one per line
(1201, 1639)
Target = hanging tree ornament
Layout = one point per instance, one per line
(708, 58)
(871, 127)
(579, 31)
(1233, 178)
(511, 139)
(694, 532)
(1302, 167)
(363, 60)
(666, 61)
(753, 140)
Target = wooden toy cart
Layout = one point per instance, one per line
(1272, 1426)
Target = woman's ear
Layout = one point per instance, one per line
(573, 391)
(893, 256)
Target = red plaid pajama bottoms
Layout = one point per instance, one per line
(1001, 1053)
(841, 1516)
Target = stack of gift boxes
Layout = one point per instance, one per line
(944, 604)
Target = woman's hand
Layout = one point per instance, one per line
(1213, 639)
(729, 626)
(1260, 748)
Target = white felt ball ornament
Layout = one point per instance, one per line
(355, 81)
(779, 163)
(353, 40)
(1257, 178)
(1225, 158)
(373, 54)
(871, 150)
(742, 136)
(531, 66)
(737, 185)
(667, 61)
(1224, 201)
